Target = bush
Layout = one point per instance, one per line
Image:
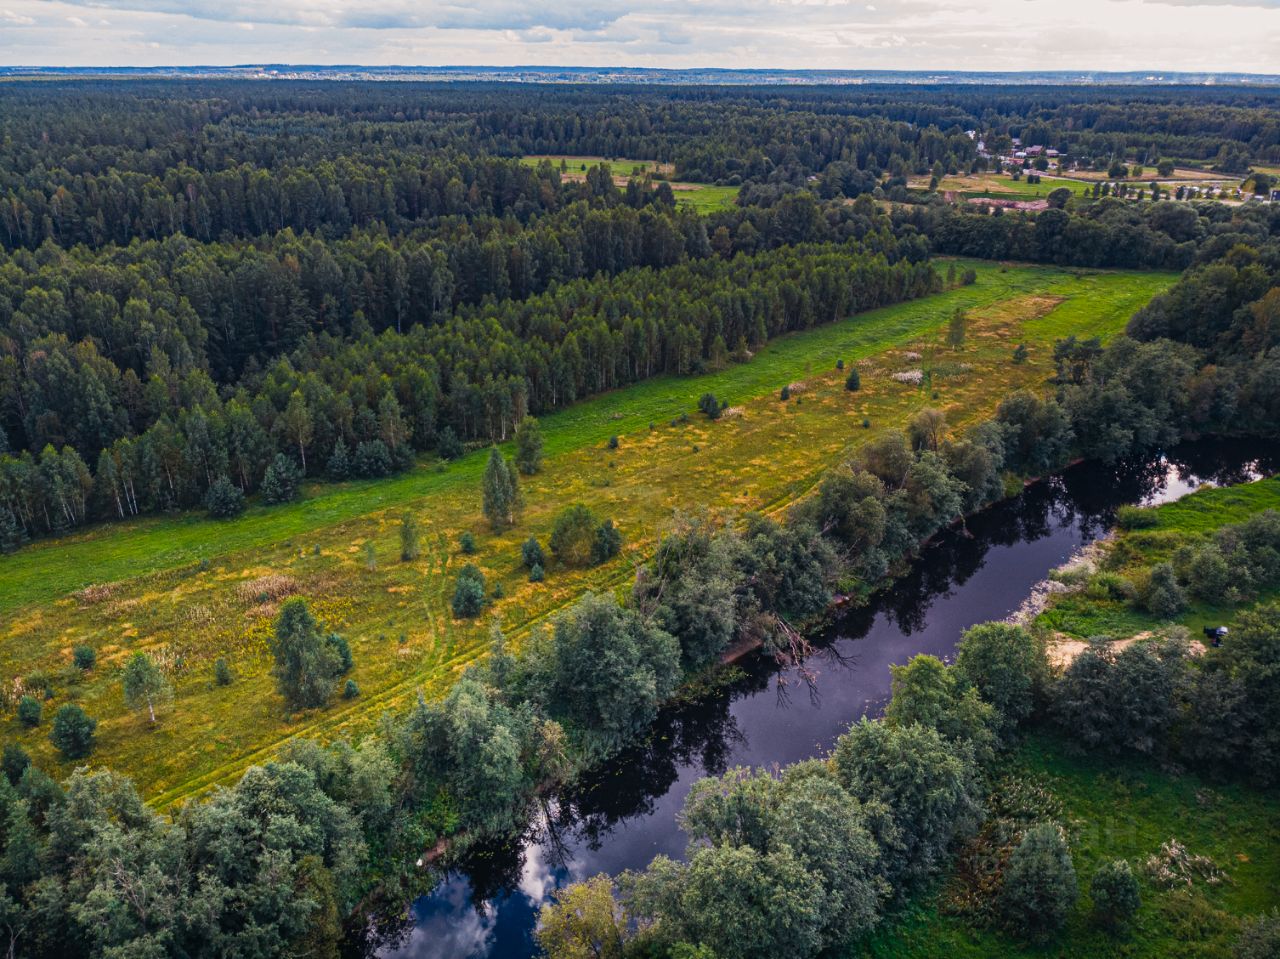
(1136, 517)
(372, 459)
(342, 650)
(1114, 890)
(1165, 598)
(839, 364)
(339, 465)
(30, 710)
(1039, 888)
(536, 574)
(409, 547)
(351, 690)
(528, 446)
(224, 500)
(73, 732)
(853, 382)
(785, 394)
(14, 763)
(222, 672)
(613, 442)
(1260, 937)
(468, 594)
(573, 535)
(281, 482)
(608, 543)
(531, 553)
(467, 542)
(1020, 354)
(84, 657)
(709, 405)
(448, 445)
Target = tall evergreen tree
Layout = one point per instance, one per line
(501, 491)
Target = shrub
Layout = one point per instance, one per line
(1114, 890)
(709, 405)
(573, 536)
(467, 542)
(409, 548)
(866, 423)
(1039, 888)
(30, 710)
(1020, 354)
(222, 672)
(536, 574)
(468, 594)
(839, 364)
(1136, 517)
(1259, 937)
(351, 690)
(608, 543)
(306, 661)
(224, 500)
(528, 446)
(1165, 597)
(14, 762)
(785, 394)
(84, 657)
(342, 650)
(853, 382)
(448, 445)
(613, 442)
(73, 732)
(339, 465)
(372, 459)
(531, 553)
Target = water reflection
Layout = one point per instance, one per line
(623, 814)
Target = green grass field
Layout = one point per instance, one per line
(1124, 809)
(999, 186)
(1184, 521)
(152, 591)
(702, 197)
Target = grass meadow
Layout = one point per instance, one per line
(703, 197)
(189, 590)
(1121, 808)
(1184, 521)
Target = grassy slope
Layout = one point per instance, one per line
(396, 616)
(1190, 518)
(1125, 809)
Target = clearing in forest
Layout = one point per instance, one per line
(190, 590)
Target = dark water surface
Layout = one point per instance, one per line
(624, 814)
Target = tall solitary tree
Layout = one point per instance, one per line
(529, 446)
(501, 491)
(306, 663)
(297, 425)
(409, 548)
(144, 684)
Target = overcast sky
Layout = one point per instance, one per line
(1226, 35)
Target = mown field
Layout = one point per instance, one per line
(1123, 809)
(999, 186)
(1184, 521)
(189, 590)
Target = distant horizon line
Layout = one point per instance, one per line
(935, 74)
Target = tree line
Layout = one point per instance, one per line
(364, 405)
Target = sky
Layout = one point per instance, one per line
(1148, 35)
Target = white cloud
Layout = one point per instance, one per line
(1159, 35)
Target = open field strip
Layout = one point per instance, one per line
(396, 615)
(702, 197)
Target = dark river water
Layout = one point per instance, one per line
(624, 814)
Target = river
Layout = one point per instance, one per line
(624, 813)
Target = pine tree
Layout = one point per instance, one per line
(225, 499)
(501, 491)
(281, 481)
(529, 446)
(409, 549)
(339, 465)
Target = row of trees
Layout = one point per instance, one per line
(365, 406)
